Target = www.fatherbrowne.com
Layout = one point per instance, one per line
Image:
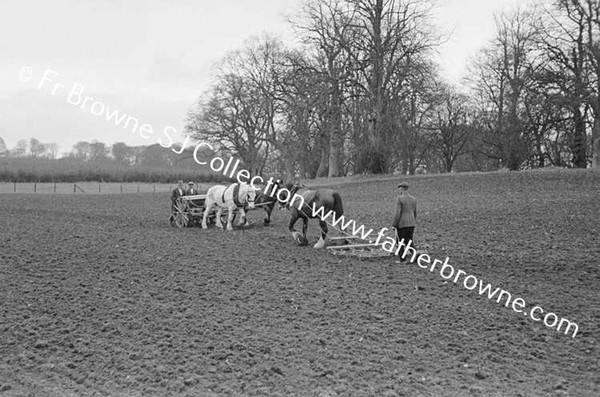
(217, 164)
(448, 272)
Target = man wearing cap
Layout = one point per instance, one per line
(405, 215)
(192, 191)
(178, 191)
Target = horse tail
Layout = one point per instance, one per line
(338, 208)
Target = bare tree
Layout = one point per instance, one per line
(584, 18)
(20, 149)
(327, 29)
(565, 77)
(36, 148)
(51, 150)
(394, 37)
(235, 115)
(503, 73)
(452, 126)
(3, 149)
(121, 153)
(412, 115)
(304, 139)
(267, 68)
(82, 150)
(98, 151)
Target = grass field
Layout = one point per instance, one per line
(100, 296)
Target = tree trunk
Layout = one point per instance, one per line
(448, 163)
(596, 142)
(289, 168)
(579, 143)
(539, 136)
(411, 165)
(378, 160)
(336, 139)
(324, 158)
(303, 172)
(596, 132)
(404, 165)
(334, 160)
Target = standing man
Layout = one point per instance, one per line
(178, 191)
(175, 194)
(192, 191)
(405, 216)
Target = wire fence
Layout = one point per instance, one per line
(85, 188)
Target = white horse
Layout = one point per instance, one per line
(236, 195)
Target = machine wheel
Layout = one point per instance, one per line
(180, 215)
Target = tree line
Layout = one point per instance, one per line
(362, 93)
(32, 161)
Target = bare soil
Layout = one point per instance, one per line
(99, 296)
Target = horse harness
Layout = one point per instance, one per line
(293, 191)
(236, 193)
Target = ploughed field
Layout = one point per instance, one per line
(101, 296)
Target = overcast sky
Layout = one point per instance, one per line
(152, 59)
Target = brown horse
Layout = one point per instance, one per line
(306, 204)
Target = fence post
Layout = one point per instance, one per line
(15, 187)
(54, 187)
(74, 188)
(34, 187)
(121, 188)
(98, 188)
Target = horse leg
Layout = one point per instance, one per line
(243, 218)
(230, 218)
(206, 212)
(218, 217)
(304, 226)
(321, 242)
(268, 210)
(293, 221)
